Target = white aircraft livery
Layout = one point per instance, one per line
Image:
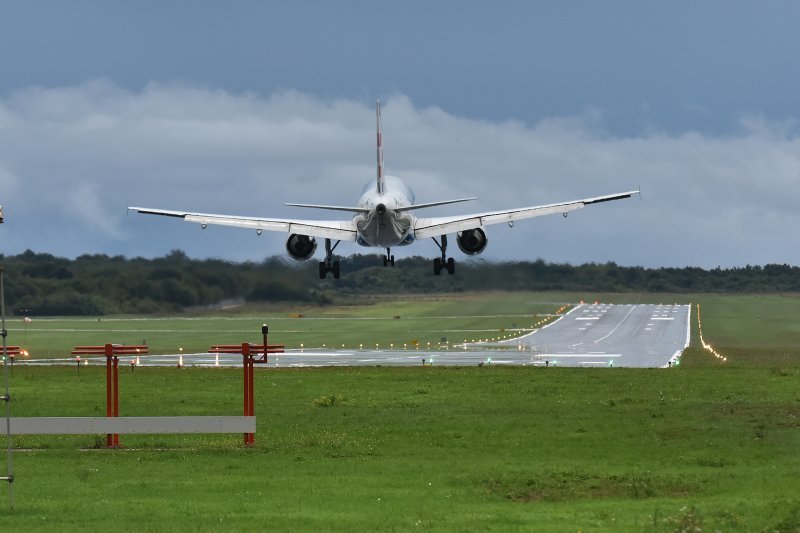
(384, 217)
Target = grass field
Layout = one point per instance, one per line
(383, 321)
(704, 446)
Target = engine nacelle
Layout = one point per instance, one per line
(472, 241)
(300, 247)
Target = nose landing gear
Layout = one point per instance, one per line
(388, 259)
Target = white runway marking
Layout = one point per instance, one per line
(617, 326)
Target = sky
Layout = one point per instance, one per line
(237, 107)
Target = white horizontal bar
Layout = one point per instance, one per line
(129, 425)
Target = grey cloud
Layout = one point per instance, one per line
(71, 158)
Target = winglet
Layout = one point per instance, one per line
(381, 181)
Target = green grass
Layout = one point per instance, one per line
(384, 321)
(705, 446)
(761, 330)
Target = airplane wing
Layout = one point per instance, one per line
(433, 227)
(342, 230)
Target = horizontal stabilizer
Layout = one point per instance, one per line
(434, 204)
(332, 208)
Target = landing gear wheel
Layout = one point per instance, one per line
(329, 265)
(437, 266)
(388, 259)
(443, 262)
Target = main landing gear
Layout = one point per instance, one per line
(443, 262)
(388, 259)
(329, 265)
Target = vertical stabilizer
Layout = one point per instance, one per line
(381, 181)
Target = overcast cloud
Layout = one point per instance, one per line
(72, 158)
(240, 106)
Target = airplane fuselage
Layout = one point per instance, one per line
(386, 224)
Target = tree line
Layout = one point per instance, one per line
(41, 284)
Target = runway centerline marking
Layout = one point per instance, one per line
(617, 326)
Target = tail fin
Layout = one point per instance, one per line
(381, 181)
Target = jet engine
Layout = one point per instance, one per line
(472, 241)
(300, 247)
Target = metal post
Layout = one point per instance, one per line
(7, 396)
(249, 409)
(109, 399)
(264, 331)
(251, 437)
(246, 392)
(116, 397)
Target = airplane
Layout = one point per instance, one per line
(384, 218)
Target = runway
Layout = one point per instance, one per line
(598, 335)
(615, 335)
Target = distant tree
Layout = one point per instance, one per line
(94, 284)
